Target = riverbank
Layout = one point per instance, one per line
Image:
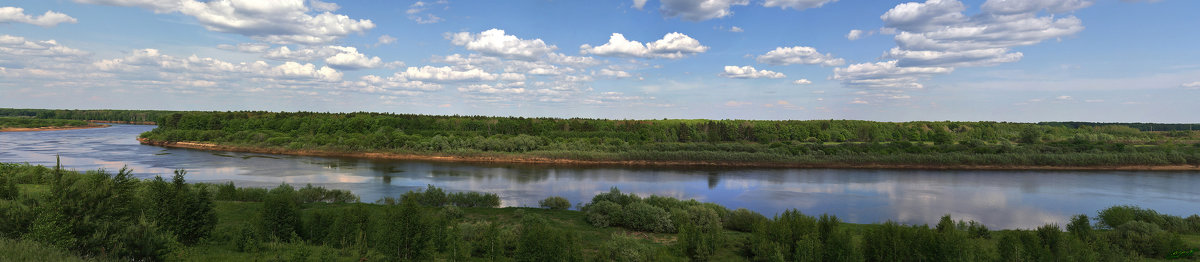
(517, 159)
(50, 128)
(151, 123)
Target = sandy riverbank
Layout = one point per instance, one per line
(559, 161)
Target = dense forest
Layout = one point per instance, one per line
(797, 143)
(54, 214)
(132, 116)
(25, 122)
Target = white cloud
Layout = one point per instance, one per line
(672, 46)
(885, 75)
(745, 72)
(639, 4)
(448, 74)
(802, 82)
(350, 58)
(16, 50)
(1094, 100)
(612, 73)
(49, 19)
(417, 12)
(279, 22)
(494, 42)
(1064, 98)
(323, 6)
(385, 40)
(297, 70)
(799, 55)
(699, 10)
(513, 88)
(796, 4)
(856, 34)
(1192, 85)
(394, 85)
(935, 36)
(246, 47)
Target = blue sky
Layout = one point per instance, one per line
(1000, 60)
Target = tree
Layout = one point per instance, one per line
(555, 203)
(407, 232)
(280, 217)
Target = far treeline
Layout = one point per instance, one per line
(127, 116)
(50, 214)
(831, 143)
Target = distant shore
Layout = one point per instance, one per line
(123, 122)
(576, 162)
(49, 128)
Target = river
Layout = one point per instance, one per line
(999, 199)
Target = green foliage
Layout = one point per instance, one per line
(623, 248)
(1081, 227)
(280, 217)
(1146, 239)
(182, 210)
(24, 122)
(604, 214)
(699, 232)
(644, 217)
(555, 203)
(540, 242)
(406, 232)
(744, 220)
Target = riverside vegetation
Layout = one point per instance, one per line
(22, 122)
(811, 143)
(54, 214)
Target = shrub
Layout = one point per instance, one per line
(604, 214)
(540, 242)
(1146, 239)
(623, 248)
(644, 217)
(474, 199)
(614, 195)
(280, 217)
(406, 232)
(555, 203)
(1080, 227)
(743, 220)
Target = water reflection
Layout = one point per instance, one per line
(1000, 199)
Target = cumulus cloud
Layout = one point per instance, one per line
(796, 4)
(448, 74)
(494, 42)
(393, 85)
(279, 22)
(417, 12)
(639, 4)
(672, 46)
(350, 58)
(16, 50)
(799, 55)
(886, 75)
(699, 10)
(935, 36)
(745, 72)
(1192, 85)
(856, 34)
(612, 73)
(246, 47)
(802, 82)
(10, 14)
(385, 40)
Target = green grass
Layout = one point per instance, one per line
(24, 250)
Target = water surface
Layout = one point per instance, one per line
(999, 199)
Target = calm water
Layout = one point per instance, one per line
(999, 199)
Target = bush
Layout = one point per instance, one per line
(280, 217)
(474, 199)
(743, 220)
(1146, 239)
(406, 232)
(555, 203)
(644, 217)
(1080, 227)
(604, 214)
(623, 248)
(180, 209)
(540, 242)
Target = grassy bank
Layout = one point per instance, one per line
(814, 143)
(52, 213)
(15, 124)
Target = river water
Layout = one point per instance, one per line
(999, 199)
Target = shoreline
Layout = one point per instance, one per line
(123, 122)
(51, 128)
(641, 163)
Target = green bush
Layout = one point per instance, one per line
(539, 241)
(644, 217)
(604, 214)
(623, 248)
(555, 203)
(280, 217)
(743, 220)
(1146, 239)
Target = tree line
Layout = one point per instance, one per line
(113, 216)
